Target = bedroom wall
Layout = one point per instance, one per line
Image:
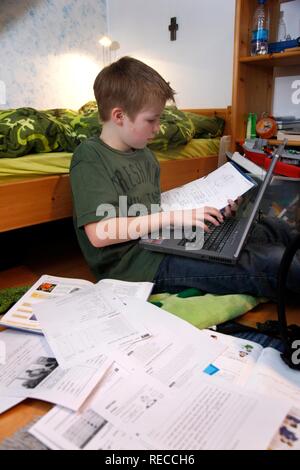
(49, 51)
(199, 64)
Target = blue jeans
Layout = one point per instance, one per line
(255, 273)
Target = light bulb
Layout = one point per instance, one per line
(105, 41)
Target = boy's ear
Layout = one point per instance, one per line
(117, 116)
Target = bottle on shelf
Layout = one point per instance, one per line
(249, 126)
(253, 126)
(260, 29)
(281, 34)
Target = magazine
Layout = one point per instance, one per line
(21, 315)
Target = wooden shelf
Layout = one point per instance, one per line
(291, 143)
(254, 77)
(278, 59)
(273, 142)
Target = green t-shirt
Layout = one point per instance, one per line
(100, 175)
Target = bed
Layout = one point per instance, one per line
(32, 198)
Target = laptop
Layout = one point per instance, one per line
(225, 242)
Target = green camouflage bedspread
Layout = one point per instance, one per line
(27, 130)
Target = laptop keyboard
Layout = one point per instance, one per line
(217, 237)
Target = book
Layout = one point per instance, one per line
(22, 317)
(214, 190)
(294, 127)
(294, 136)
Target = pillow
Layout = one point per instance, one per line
(206, 127)
(26, 130)
(176, 128)
(84, 122)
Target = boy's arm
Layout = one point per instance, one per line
(121, 229)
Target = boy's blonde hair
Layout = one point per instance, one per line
(131, 85)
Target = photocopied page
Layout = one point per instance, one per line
(21, 315)
(62, 429)
(85, 325)
(8, 402)
(288, 435)
(31, 370)
(237, 361)
(125, 290)
(273, 378)
(159, 322)
(210, 416)
(86, 429)
(175, 362)
(213, 190)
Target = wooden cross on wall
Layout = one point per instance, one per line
(173, 27)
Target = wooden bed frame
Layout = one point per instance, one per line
(26, 201)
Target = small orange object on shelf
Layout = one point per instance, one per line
(266, 127)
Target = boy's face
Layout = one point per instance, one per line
(138, 132)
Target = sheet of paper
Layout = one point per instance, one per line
(173, 361)
(81, 431)
(211, 416)
(8, 402)
(288, 435)
(31, 370)
(2, 352)
(85, 429)
(272, 377)
(21, 315)
(124, 290)
(160, 322)
(213, 190)
(44, 439)
(85, 325)
(237, 361)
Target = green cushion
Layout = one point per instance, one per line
(205, 310)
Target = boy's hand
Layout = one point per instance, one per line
(232, 207)
(196, 217)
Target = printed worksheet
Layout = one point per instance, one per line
(31, 370)
(86, 324)
(213, 190)
(174, 361)
(209, 416)
(86, 429)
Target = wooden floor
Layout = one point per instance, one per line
(45, 249)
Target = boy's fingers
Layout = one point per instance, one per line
(214, 212)
(232, 204)
(211, 219)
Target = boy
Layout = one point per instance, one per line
(116, 172)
